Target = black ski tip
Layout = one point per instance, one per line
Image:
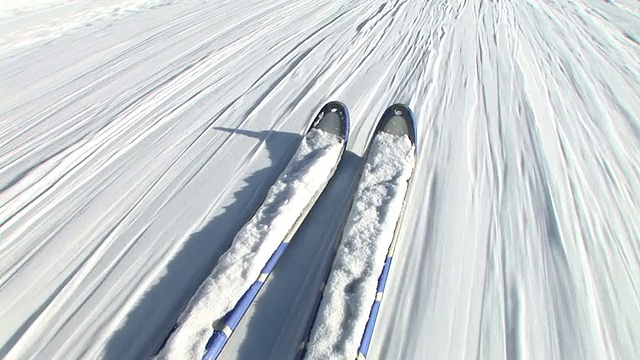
(398, 119)
(333, 117)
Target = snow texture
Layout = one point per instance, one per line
(288, 199)
(351, 287)
(137, 139)
(29, 22)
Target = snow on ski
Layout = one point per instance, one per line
(348, 308)
(228, 292)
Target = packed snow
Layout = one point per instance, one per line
(31, 22)
(136, 140)
(352, 284)
(286, 203)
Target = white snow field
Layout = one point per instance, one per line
(137, 139)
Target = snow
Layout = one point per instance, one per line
(134, 145)
(27, 5)
(352, 284)
(292, 194)
(30, 22)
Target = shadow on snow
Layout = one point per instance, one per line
(278, 319)
(155, 314)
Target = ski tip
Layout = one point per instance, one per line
(333, 118)
(398, 119)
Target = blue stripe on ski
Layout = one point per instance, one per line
(373, 315)
(225, 328)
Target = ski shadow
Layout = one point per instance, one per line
(149, 324)
(278, 320)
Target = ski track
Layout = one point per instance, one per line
(132, 150)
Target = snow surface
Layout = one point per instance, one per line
(133, 149)
(29, 22)
(352, 284)
(289, 198)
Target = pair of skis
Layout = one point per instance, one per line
(396, 124)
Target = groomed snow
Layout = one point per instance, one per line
(289, 198)
(351, 286)
(136, 140)
(30, 22)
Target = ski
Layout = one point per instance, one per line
(263, 239)
(356, 281)
(334, 119)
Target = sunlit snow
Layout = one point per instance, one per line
(136, 140)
